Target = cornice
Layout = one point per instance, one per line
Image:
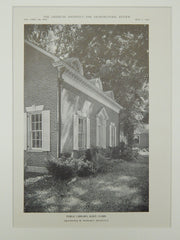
(93, 92)
(86, 84)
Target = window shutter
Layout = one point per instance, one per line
(46, 130)
(104, 134)
(25, 131)
(97, 131)
(88, 133)
(115, 137)
(110, 135)
(75, 132)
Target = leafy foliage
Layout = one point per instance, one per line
(65, 168)
(118, 54)
(61, 168)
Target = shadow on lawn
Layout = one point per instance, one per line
(124, 189)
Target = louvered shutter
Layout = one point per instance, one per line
(97, 132)
(88, 133)
(104, 134)
(75, 132)
(110, 135)
(25, 131)
(115, 137)
(46, 130)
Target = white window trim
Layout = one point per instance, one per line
(84, 134)
(112, 125)
(76, 117)
(34, 108)
(45, 129)
(30, 148)
(105, 117)
(81, 114)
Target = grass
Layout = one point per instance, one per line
(123, 188)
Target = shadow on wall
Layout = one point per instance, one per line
(69, 106)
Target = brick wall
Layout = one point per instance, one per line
(40, 88)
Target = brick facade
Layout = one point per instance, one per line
(40, 88)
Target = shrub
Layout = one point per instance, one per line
(85, 168)
(61, 168)
(66, 168)
(130, 154)
(101, 164)
(122, 147)
(115, 152)
(91, 154)
(106, 152)
(66, 155)
(88, 155)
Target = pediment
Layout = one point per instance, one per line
(75, 64)
(103, 113)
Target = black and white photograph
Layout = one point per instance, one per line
(86, 118)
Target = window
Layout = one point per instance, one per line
(81, 131)
(101, 119)
(112, 135)
(37, 129)
(101, 132)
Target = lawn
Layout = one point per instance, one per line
(124, 187)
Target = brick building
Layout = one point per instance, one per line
(63, 111)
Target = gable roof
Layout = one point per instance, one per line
(81, 81)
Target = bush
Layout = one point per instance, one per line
(91, 154)
(101, 165)
(108, 153)
(115, 152)
(94, 160)
(85, 168)
(88, 155)
(61, 168)
(130, 154)
(66, 168)
(66, 155)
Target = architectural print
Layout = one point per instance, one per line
(86, 111)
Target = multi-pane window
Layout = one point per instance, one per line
(36, 130)
(101, 128)
(81, 133)
(112, 135)
(101, 131)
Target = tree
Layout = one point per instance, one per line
(118, 54)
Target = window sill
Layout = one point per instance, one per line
(34, 150)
